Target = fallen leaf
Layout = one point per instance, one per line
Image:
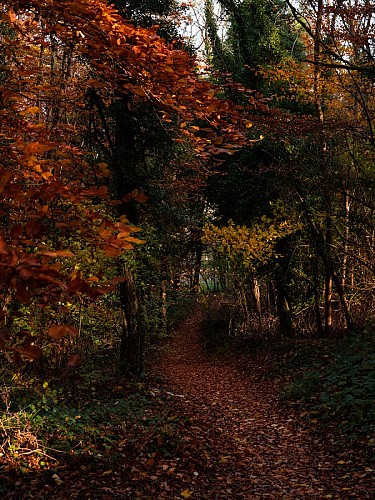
(186, 493)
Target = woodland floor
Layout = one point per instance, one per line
(218, 433)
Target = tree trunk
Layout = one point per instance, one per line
(318, 316)
(328, 281)
(125, 176)
(256, 291)
(319, 91)
(197, 264)
(164, 300)
(122, 149)
(271, 301)
(345, 267)
(283, 307)
(328, 263)
(132, 339)
(284, 313)
(255, 295)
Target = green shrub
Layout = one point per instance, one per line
(343, 390)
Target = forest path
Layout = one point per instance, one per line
(250, 449)
(196, 426)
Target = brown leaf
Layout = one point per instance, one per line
(58, 253)
(74, 360)
(36, 147)
(2, 245)
(186, 493)
(11, 15)
(4, 179)
(78, 285)
(31, 352)
(57, 331)
(32, 110)
(141, 197)
(72, 330)
(116, 281)
(35, 229)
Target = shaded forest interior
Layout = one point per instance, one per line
(187, 235)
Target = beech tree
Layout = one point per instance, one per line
(53, 190)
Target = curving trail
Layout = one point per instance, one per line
(249, 448)
(212, 429)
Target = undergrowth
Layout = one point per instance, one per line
(338, 390)
(96, 416)
(39, 431)
(332, 381)
(181, 302)
(54, 416)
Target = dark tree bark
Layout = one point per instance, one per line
(132, 339)
(318, 316)
(122, 150)
(328, 262)
(283, 307)
(283, 310)
(197, 263)
(125, 176)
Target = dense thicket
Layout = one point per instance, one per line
(319, 179)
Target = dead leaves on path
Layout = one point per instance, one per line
(209, 431)
(252, 448)
(202, 448)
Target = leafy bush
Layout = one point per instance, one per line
(342, 391)
(36, 434)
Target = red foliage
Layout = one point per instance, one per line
(52, 191)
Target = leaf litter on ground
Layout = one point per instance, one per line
(199, 426)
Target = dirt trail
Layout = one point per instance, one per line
(251, 449)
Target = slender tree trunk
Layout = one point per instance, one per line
(164, 300)
(318, 316)
(345, 267)
(223, 278)
(328, 280)
(271, 296)
(284, 313)
(283, 307)
(319, 92)
(242, 299)
(197, 264)
(132, 339)
(256, 291)
(125, 176)
(255, 295)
